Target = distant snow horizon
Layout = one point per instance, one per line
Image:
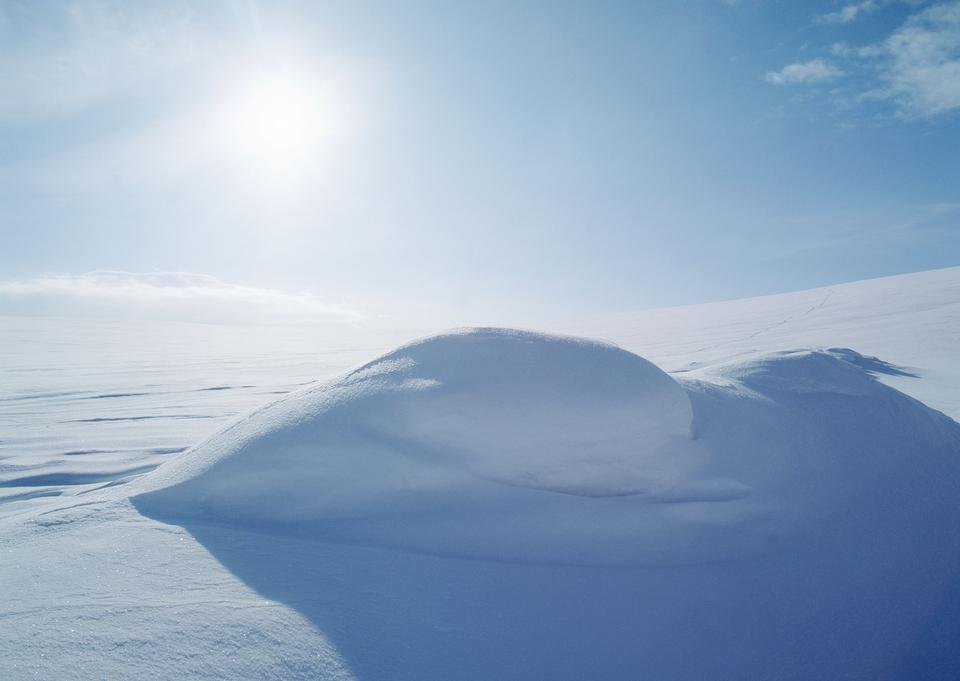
(167, 295)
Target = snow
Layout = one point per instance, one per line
(504, 445)
(911, 321)
(492, 504)
(435, 444)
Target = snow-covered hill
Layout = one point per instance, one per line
(497, 444)
(911, 320)
(497, 504)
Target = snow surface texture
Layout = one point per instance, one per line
(802, 527)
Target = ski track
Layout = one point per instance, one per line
(767, 329)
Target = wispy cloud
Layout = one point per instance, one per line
(88, 54)
(813, 71)
(916, 67)
(920, 62)
(163, 295)
(155, 98)
(849, 12)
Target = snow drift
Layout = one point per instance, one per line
(523, 447)
(832, 497)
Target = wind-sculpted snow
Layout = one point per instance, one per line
(830, 498)
(522, 447)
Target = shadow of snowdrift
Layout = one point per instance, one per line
(873, 365)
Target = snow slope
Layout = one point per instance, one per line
(770, 508)
(910, 320)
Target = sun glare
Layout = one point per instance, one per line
(277, 120)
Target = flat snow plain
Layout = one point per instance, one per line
(789, 512)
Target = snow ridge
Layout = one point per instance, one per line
(516, 446)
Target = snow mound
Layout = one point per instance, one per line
(517, 446)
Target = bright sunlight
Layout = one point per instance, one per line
(277, 120)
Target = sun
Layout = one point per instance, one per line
(277, 120)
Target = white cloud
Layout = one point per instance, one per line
(813, 71)
(916, 67)
(177, 296)
(840, 49)
(848, 13)
(920, 62)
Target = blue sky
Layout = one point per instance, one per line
(473, 162)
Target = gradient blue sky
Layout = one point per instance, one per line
(481, 161)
